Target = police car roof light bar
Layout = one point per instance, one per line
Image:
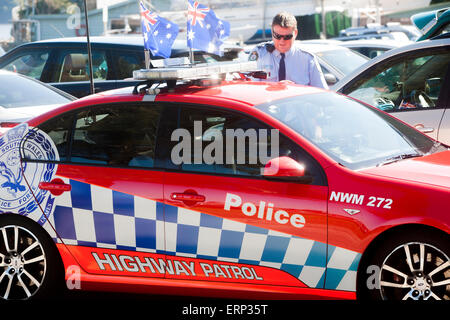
(195, 72)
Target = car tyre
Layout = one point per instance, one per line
(412, 266)
(30, 266)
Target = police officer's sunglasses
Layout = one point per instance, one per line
(281, 36)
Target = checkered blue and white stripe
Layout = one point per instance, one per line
(99, 217)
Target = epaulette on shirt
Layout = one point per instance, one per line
(268, 46)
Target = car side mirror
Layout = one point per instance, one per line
(285, 168)
(330, 78)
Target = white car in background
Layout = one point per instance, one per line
(411, 83)
(22, 98)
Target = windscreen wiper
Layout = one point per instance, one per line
(398, 158)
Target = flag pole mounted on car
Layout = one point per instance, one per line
(91, 74)
(159, 34)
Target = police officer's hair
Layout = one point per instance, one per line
(285, 20)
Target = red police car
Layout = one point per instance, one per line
(248, 189)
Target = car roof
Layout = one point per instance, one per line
(430, 21)
(320, 47)
(244, 92)
(127, 40)
(373, 42)
(311, 46)
(396, 51)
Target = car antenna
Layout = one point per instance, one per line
(91, 75)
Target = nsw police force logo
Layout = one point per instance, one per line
(19, 181)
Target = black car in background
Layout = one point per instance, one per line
(63, 62)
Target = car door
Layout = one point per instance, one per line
(107, 193)
(227, 222)
(408, 87)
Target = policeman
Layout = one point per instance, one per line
(283, 59)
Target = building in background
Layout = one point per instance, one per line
(250, 20)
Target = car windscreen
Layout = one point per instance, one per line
(18, 91)
(343, 60)
(353, 134)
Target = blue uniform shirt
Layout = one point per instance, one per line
(302, 67)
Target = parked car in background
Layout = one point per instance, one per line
(432, 23)
(371, 48)
(394, 36)
(410, 31)
(63, 63)
(335, 61)
(22, 98)
(411, 82)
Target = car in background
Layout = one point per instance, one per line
(2, 51)
(409, 31)
(411, 83)
(22, 98)
(432, 23)
(370, 48)
(335, 61)
(63, 63)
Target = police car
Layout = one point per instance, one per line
(190, 184)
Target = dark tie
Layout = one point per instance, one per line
(282, 69)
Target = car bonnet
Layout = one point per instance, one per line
(432, 169)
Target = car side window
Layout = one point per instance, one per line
(74, 66)
(410, 83)
(116, 135)
(219, 142)
(29, 63)
(58, 129)
(127, 62)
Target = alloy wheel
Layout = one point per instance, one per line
(22, 263)
(415, 271)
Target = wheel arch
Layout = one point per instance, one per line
(385, 236)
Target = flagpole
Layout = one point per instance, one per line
(91, 75)
(147, 59)
(191, 56)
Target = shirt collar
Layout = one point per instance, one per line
(286, 54)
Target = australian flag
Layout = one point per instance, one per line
(159, 33)
(205, 31)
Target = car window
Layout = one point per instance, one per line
(220, 142)
(343, 60)
(117, 135)
(355, 135)
(29, 63)
(404, 84)
(127, 62)
(58, 129)
(74, 66)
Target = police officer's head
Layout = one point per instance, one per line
(284, 31)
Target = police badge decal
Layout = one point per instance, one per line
(19, 180)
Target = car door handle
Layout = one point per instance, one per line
(187, 197)
(423, 129)
(56, 186)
